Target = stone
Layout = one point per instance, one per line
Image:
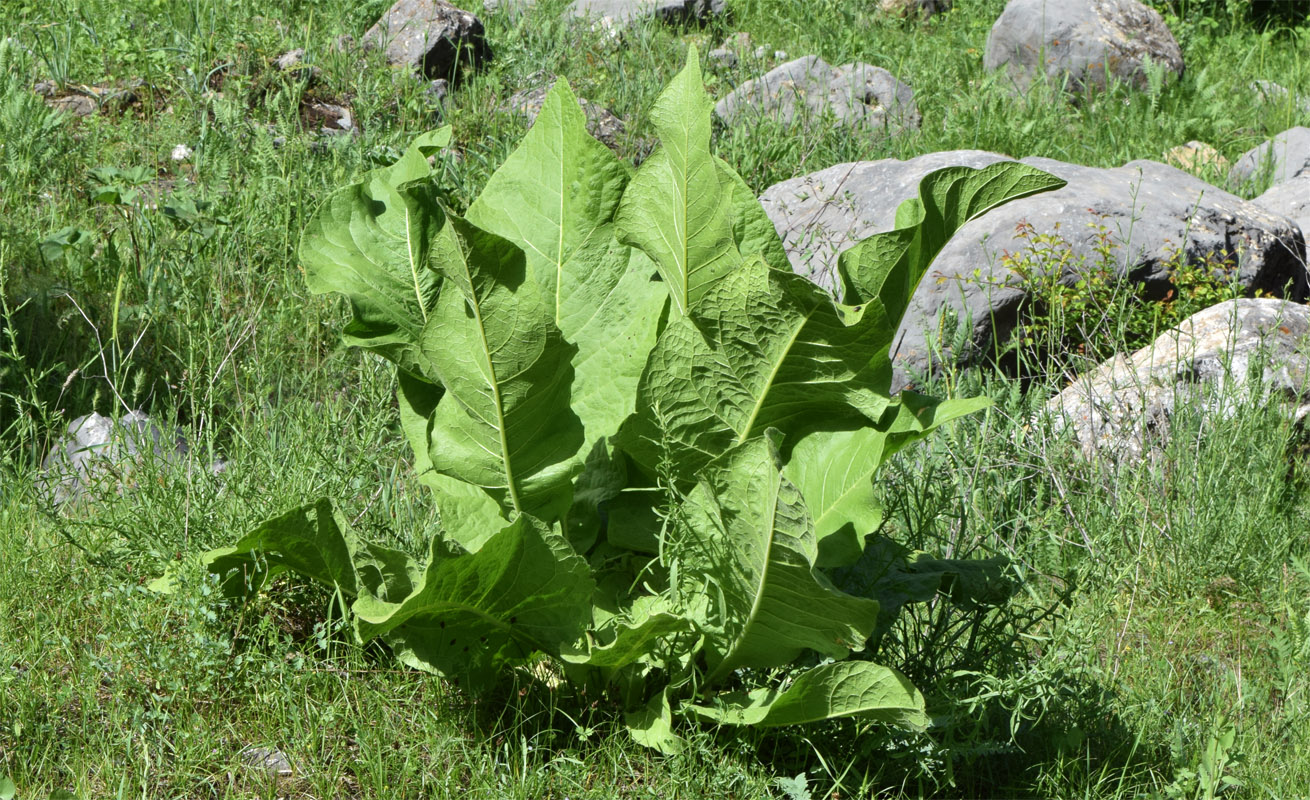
(289, 59)
(619, 13)
(601, 122)
(1271, 92)
(1291, 199)
(625, 11)
(1282, 158)
(97, 448)
(1195, 157)
(721, 57)
(1239, 353)
(317, 115)
(432, 37)
(437, 91)
(267, 759)
(808, 90)
(1147, 210)
(1082, 40)
(920, 8)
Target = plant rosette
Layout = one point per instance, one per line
(646, 436)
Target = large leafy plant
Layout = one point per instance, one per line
(646, 436)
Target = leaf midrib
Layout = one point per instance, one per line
(760, 585)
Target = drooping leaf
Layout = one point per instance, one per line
(505, 422)
(844, 689)
(834, 470)
(675, 208)
(314, 541)
(767, 349)
(652, 726)
(370, 241)
(747, 538)
(472, 613)
(882, 271)
(469, 514)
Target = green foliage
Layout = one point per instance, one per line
(1080, 312)
(628, 468)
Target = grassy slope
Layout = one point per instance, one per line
(1187, 612)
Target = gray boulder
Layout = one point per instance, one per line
(96, 448)
(432, 37)
(621, 12)
(1083, 40)
(1276, 94)
(1284, 157)
(601, 122)
(1291, 199)
(1146, 211)
(1240, 353)
(808, 90)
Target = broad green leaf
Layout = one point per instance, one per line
(7, 789)
(845, 689)
(413, 164)
(643, 629)
(371, 241)
(747, 538)
(834, 470)
(314, 541)
(767, 349)
(883, 270)
(469, 514)
(472, 613)
(676, 209)
(652, 726)
(505, 422)
(752, 230)
(556, 197)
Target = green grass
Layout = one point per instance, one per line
(1160, 603)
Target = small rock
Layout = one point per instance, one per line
(1283, 158)
(343, 43)
(430, 36)
(721, 57)
(739, 42)
(1271, 92)
(921, 8)
(327, 117)
(601, 122)
(46, 88)
(1122, 410)
(97, 447)
(267, 759)
(181, 153)
(805, 90)
(1083, 40)
(437, 91)
(289, 59)
(79, 105)
(622, 12)
(1195, 157)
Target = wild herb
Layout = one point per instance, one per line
(645, 434)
